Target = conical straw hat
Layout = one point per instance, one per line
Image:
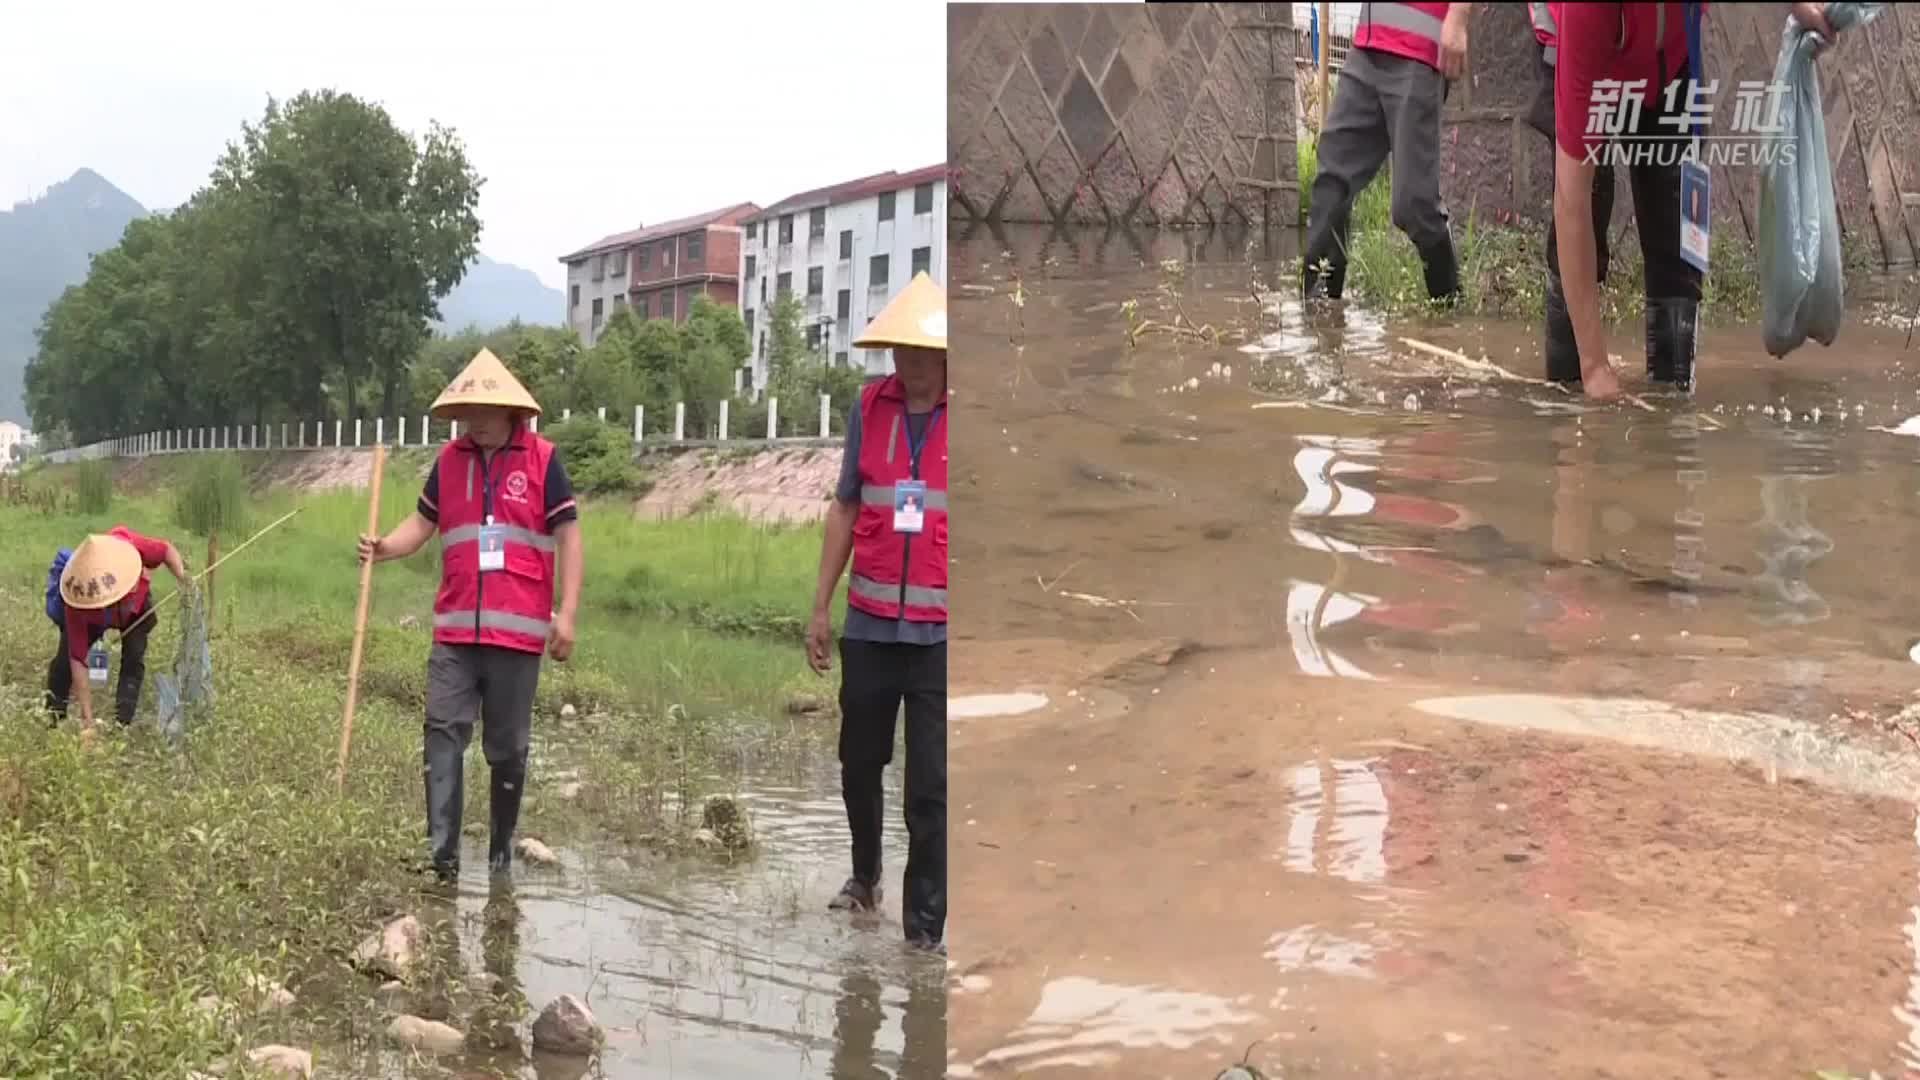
(486, 381)
(916, 318)
(100, 573)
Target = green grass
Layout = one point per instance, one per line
(134, 878)
(1502, 266)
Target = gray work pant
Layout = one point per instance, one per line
(498, 685)
(1384, 104)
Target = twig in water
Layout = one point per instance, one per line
(1046, 586)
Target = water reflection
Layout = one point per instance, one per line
(1086, 1023)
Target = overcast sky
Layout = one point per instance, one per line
(584, 120)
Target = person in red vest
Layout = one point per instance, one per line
(1596, 47)
(893, 648)
(503, 505)
(1391, 88)
(105, 586)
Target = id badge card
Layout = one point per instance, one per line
(493, 548)
(909, 506)
(97, 665)
(1696, 213)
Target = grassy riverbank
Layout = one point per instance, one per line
(134, 879)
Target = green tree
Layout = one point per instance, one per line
(798, 375)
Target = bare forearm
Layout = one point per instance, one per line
(406, 538)
(572, 562)
(176, 563)
(1573, 222)
(835, 547)
(82, 689)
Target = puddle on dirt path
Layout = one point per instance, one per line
(1498, 733)
(698, 969)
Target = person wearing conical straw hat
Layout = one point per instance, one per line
(889, 514)
(104, 585)
(502, 502)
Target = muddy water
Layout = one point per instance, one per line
(697, 969)
(1320, 695)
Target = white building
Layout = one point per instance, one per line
(12, 435)
(844, 251)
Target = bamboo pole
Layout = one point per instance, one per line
(360, 620)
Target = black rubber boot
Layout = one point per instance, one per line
(446, 795)
(508, 785)
(1317, 283)
(1563, 352)
(1672, 326)
(1442, 272)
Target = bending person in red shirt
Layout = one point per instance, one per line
(104, 587)
(1598, 48)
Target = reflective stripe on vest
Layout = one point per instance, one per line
(470, 534)
(493, 620)
(882, 495)
(917, 596)
(1404, 29)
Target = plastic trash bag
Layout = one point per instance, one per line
(1799, 226)
(185, 696)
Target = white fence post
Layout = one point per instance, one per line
(723, 419)
(401, 441)
(380, 432)
(253, 437)
(533, 424)
(426, 431)
(603, 414)
(826, 403)
(639, 422)
(339, 432)
(356, 433)
(679, 420)
(565, 415)
(773, 413)
(453, 430)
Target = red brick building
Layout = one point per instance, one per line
(657, 270)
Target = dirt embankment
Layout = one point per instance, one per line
(783, 485)
(775, 485)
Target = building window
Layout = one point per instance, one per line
(846, 244)
(786, 228)
(886, 206)
(843, 309)
(645, 255)
(596, 314)
(813, 335)
(619, 301)
(643, 307)
(816, 222)
(752, 265)
(753, 229)
(599, 267)
(573, 299)
(666, 255)
(784, 287)
(667, 306)
(619, 263)
(697, 249)
(749, 322)
(922, 261)
(923, 198)
(877, 272)
(840, 358)
(763, 292)
(816, 281)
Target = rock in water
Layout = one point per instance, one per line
(536, 852)
(283, 1061)
(567, 1027)
(392, 951)
(727, 820)
(426, 1036)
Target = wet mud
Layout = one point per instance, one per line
(1321, 693)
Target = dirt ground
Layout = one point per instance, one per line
(791, 485)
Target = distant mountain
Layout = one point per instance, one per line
(494, 294)
(45, 245)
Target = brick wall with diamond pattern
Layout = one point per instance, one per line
(1143, 114)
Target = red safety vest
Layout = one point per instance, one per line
(1409, 30)
(511, 608)
(893, 572)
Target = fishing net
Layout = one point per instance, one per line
(186, 695)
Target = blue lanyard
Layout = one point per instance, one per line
(914, 446)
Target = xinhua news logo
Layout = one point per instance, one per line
(1757, 135)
